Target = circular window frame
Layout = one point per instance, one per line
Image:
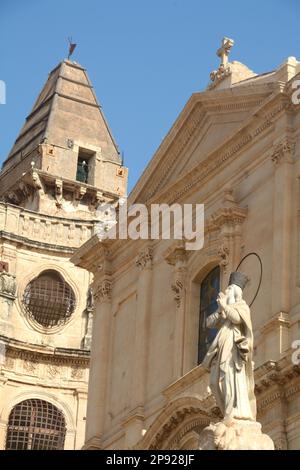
(29, 319)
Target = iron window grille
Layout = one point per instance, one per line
(35, 425)
(49, 300)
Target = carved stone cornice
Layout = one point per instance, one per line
(279, 320)
(102, 290)
(144, 259)
(33, 357)
(183, 136)
(283, 152)
(228, 216)
(176, 254)
(101, 262)
(276, 381)
(216, 159)
(193, 118)
(198, 375)
(137, 414)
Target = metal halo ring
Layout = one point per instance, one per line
(261, 272)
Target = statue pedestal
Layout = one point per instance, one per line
(239, 435)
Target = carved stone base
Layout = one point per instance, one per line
(239, 435)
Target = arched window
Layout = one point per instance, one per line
(35, 425)
(209, 289)
(48, 299)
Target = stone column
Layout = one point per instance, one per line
(134, 424)
(177, 257)
(99, 360)
(282, 158)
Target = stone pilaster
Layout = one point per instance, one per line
(177, 257)
(135, 423)
(97, 397)
(282, 157)
(144, 264)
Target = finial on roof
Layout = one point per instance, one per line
(224, 50)
(224, 69)
(71, 47)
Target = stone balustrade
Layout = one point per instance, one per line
(44, 228)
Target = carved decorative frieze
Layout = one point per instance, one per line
(144, 259)
(53, 233)
(53, 371)
(30, 366)
(276, 381)
(9, 362)
(77, 373)
(37, 357)
(175, 424)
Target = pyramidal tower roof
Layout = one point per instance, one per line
(66, 110)
(65, 160)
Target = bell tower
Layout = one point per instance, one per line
(65, 160)
(63, 165)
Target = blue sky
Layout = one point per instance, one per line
(144, 57)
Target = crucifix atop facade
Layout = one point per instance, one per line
(224, 50)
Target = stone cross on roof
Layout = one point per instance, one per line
(224, 50)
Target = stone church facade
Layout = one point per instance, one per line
(235, 148)
(62, 167)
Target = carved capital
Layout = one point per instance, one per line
(283, 152)
(228, 216)
(102, 290)
(144, 259)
